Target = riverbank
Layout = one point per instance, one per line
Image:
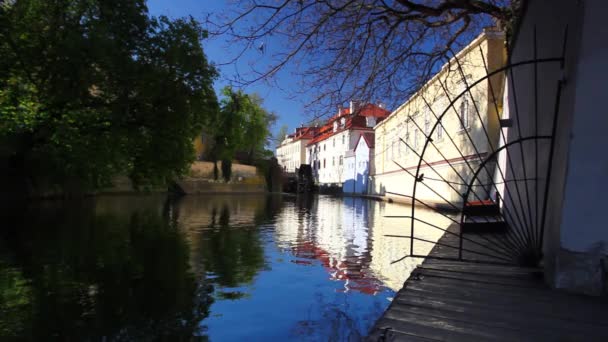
(471, 301)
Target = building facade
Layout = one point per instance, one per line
(328, 149)
(358, 166)
(291, 153)
(462, 125)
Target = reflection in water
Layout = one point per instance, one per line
(227, 267)
(112, 268)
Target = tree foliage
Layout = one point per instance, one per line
(357, 49)
(91, 89)
(241, 126)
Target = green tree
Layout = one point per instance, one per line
(241, 125)
(283, 131)
(92, 89)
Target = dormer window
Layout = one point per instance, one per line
(370, 121)
(342, 122)
(335, 126)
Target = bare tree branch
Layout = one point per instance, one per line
(355, 49)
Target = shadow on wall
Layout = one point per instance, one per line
(356, 186)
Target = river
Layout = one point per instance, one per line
(219, 268)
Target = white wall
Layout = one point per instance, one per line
(357, 169)
(332, 172)
(291, 154)
(575, 230)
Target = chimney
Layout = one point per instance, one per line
(354, 106)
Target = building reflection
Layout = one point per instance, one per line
(387, 248)
(348, 236)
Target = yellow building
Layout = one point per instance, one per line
(466, 134)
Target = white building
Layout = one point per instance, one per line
(327, 150)
(358, 166)
(291, 153)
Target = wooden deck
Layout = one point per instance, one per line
(469, 301)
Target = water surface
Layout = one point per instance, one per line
(222, 268)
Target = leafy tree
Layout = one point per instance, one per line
(241, 125)
(283, 131)
(92, 89)
(357, 49)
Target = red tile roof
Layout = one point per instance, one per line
(305, 132)
(356, 121)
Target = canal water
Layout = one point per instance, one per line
(221, 268)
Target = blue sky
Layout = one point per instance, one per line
(277, 99)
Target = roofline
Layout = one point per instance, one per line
(344, 130)
(483, 36)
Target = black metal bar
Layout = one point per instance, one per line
(445, 245)
(461, 154)
(519, 141)
(444, 180)
(550, 164)
(434, 170)
(521, 148)
(474, 261)
(535, 55)
(482, 166)
(468, 89)
(504, 138)
(484, 184)
(508, 251)
(444, 158)
(507, 67)
(416, 180)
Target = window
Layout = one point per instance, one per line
(343, 139)
(399, 153)
(323, 163)
(439, 131)
(333, 161)
(407, 140)
(341, 160)
(334, 142)
(416, 139)
(464, 114)
(427, 124)
(324, 147)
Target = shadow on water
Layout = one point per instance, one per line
(112, 268)
(228, 268)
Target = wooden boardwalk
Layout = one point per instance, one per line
(468, 301)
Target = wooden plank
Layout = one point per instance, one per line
(454, 285)
(510, 329)
(481, 278)
(529, 324)
(490, 295)
(514, 306)
(396, 336)
(449, 326)
(464, 301)
(431, 332)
